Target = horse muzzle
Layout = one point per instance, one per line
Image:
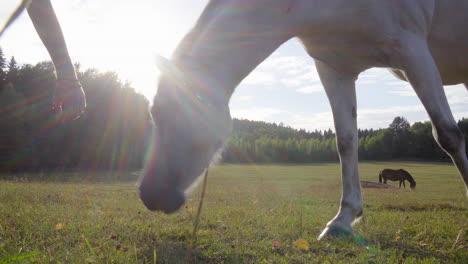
(166, 199)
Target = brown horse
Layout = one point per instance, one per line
(397, 175)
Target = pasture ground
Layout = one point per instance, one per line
(251, 214)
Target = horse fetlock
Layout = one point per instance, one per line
(352, 210)
(358, 216)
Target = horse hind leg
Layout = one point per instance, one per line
(422, 73)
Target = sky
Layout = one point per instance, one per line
(126, 36)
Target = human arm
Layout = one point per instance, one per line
(69, 97)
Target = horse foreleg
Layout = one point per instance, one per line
(400, 184)
(403, 184)
(341, 93)
(421, 71)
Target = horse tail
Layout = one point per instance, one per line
(380, 177)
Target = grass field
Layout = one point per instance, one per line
(251, 214)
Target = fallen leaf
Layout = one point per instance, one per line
(302, 244)
(276, 245)
(59, 226)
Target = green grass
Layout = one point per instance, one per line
(245, 209)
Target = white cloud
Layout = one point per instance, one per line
(310, 76)
(310, 89)
(367, 118)
(396, 83)
(260, 78)
(381, 118)
(366, 81)
(377, 73)
(297, 72)
(291, 82)
(291, 64)
(457, 94)
(311, 122)
(257, 113)
(402, 91)
(379, 76)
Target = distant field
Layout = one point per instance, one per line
(246, 209)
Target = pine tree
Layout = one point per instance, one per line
(2, 69)
(13, 70)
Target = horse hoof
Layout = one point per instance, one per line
(335, 231)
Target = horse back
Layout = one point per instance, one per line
(393, 175)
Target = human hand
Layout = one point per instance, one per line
(69, 100)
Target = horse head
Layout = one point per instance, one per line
(190, 110)
(413, 185)
(191, 124)
(409, 178)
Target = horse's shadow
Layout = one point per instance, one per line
(168, 251)
(377, 247)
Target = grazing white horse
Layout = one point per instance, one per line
(424, 42)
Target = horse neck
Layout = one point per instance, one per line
(227, 44)
(409, 178)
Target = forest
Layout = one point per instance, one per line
(256, 141)
(112, 133)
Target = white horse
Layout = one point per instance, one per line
(424, 42)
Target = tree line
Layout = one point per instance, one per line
(256, 141)
(112, 133)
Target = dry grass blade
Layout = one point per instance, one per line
(197, 217)
(18, 11)
(460, 235)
